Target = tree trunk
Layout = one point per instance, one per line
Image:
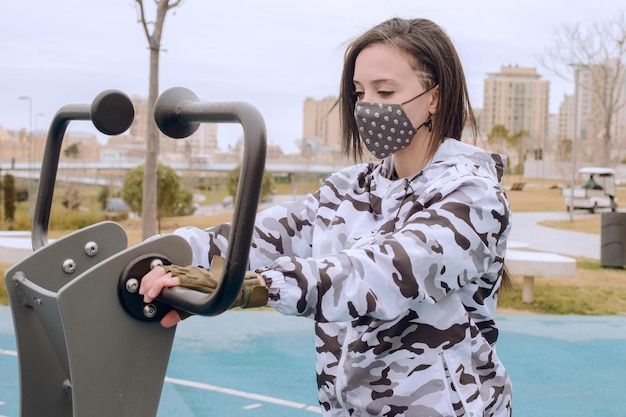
(150, 179)
(149, 195)
(607, 141)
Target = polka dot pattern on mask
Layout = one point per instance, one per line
(384, 128)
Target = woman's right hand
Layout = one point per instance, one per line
(151, 286)
(253, 292)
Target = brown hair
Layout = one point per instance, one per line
(434, 57)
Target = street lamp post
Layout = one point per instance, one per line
(37, 149)
(574, 140)
(30, 151)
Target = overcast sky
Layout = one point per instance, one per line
(271, 53)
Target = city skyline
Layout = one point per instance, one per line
(274, 56)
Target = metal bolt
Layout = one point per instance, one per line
(91, 248)
(132, 285)
(156, 262)
(149, 310)
(69, 266)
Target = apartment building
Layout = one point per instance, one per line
(200, 144)
(598, 87)
(583, 114)
(321, 129)
(566, 118)
(517, 98)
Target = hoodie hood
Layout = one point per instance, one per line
(454, 153)
(458, 154)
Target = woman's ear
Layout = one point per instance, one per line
(433, 106)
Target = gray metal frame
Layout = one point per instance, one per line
(87, 344)
(79, 352)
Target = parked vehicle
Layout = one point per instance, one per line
(228, 201)
(116, 209)
(596, 190)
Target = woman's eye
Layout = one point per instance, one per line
(385, 93)
(358, 95)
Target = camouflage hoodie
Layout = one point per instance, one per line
(401, 278)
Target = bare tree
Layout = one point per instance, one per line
(153, 31)
(600, 51)
(503, 140)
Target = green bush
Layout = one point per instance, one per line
(60, 217)
(22, 220)
(103, 197)
(77, 219)
(173, 199)
(9, 197)
(232, 183)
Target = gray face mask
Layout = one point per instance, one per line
(385, 128)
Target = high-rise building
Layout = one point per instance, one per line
(566, 118)
(518, 99)
(200, 144)
(321, 130)
(598, 90)
(582, 103)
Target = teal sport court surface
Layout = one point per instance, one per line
(260, 363)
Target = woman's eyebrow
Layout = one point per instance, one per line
(377, 81)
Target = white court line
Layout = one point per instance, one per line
(3, 403)
(249, 395)
(229, 391)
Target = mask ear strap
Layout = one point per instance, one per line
(428, 123)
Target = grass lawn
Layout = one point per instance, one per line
(594, 290)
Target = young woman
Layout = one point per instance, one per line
(399, 262)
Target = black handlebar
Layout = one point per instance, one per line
(111, 112)
(178, 113)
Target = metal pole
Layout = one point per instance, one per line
(574, 139)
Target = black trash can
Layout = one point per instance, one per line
(613, 240)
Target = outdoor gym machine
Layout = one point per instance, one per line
(88, 346)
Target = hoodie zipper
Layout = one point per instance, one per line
(407, 185)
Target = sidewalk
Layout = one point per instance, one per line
(564, 242)
(14, 246)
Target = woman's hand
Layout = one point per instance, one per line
(151, 286)
(253, 292)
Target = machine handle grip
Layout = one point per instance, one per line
(111, 112)
(178, 113)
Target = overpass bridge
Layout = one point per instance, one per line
(96, 172)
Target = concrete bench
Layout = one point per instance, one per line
(514, 244)
(537, 264)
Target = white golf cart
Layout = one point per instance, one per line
(596, 190)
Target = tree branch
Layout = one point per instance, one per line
(142, 20)
(174, 4)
